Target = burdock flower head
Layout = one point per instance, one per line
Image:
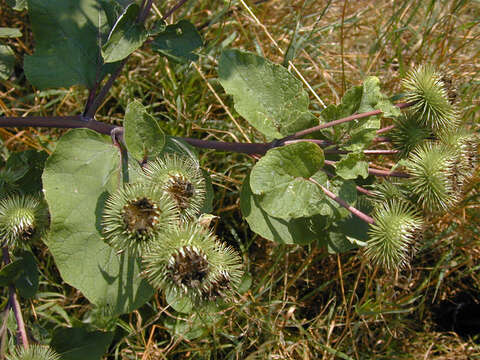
(181, 178)
(465, 145)
(189, 261)
(429, 94)
(396, 226)
(408, 133)
(135, 215)
(22, 218)
(431, 170)
(34, 352)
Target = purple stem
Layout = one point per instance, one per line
(21, 332)
(245, 148)
(385, 129)
(104, 90)
(142, 16)
(341, 202)
(65, 122)
(92, 107)
(320, 143)
(340, 121)
(91, 98)
(383, 173)
(173, 9)
(382, 139)
(359, 188)
(386, 173)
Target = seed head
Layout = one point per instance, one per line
(391, 236)
(426, 89)
(409, 133)
(181, 178)
(189, 261)
(135, 215)
(431, 169)
(34, 352)
(22, 218)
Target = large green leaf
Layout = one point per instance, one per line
(270, 98)
(178, 41)
(281, 179)
(296, 231)
(78, 177)
(7, 61)
(67, 35)
(143, 135)
(80, 344)
(126, 36)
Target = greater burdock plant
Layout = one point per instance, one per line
(129, 206)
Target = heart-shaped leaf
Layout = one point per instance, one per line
(270, 98)
(84, 168)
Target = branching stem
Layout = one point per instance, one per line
(87, 121)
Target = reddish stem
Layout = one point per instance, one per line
(340, 121)
(383, 173)
(385, 129)
(17, 311)
(245, 148)
(343, 203)
(359, 188)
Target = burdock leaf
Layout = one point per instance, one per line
(143, 135)
(281, 179)
(296, 231)
(76, 185)
(270, 98)
(126, 36)
(352, 166)
(178, 41)
(67, 42)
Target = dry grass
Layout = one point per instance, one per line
(303, 303)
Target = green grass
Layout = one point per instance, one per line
(303, 303)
